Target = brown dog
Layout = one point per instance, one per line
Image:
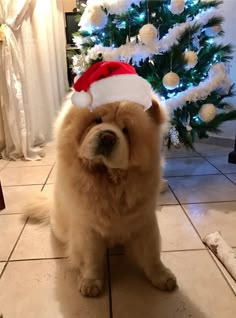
(108, 172)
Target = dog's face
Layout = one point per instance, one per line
(118, 135)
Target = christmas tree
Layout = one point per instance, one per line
(174, 45)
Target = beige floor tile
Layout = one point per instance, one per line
(3, 163)
(202, 292)
(179, 153)
(226, 274)
(188, 167)
(24, 175)
(167, 198)
(211, 217)
(10, 228)
(221, 163)
(177, 232)
(197, 189)
(1, 268)
(212, 150)
(52, 176)
(37, 241)
(232, 177)
(48, 190)
(45, 289)
(16, 197)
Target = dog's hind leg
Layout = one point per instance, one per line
(145, 249)
(87, 251)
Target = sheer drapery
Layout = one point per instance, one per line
(33, 73)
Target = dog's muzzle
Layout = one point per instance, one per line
(107, 140)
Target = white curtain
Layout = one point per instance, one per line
(33, 73)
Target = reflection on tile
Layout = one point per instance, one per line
(221, 163)
(16, 197)
(189, 167)
(232, 177)
(37, 241)
(212, 217)
(211, 150)
(24, 175)
(200, 284)
(10, 228)
(179, 153)
(46, 289)
(177, 232)
(1, 267)
(196, 189)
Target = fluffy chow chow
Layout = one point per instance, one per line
(108, 173)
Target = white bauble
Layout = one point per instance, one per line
(207, 112)
(98, 17)
(191, 58)
(148, 34)
(213, 31)
(174, 137)
(177, 6)
(171, 80)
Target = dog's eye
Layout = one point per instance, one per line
(125, 131)
(98, 120)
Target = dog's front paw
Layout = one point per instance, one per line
(90, 287)
(163, 278)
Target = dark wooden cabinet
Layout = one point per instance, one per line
(2, 203)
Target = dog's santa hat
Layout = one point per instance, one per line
(108, 82)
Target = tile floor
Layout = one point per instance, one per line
(34, 281)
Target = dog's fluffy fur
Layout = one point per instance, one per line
(105, 199)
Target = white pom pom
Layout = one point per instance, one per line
(191, 59)
(207, 112)
(98, 18)
(170, 80)
(213, 31)
(148, 34)
(81, 99)
(177, 6)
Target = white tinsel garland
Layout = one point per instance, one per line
(217, 76)
(137, 51)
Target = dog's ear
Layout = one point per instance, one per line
(158, 111)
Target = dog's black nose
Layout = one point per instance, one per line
(106, 142)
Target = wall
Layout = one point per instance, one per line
(229, 10)
(69, 5)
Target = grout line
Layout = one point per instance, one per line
(109, 286)
(36, 259)
(223, 173)
(12, 213)
(14, 248)
(45, 183)
(186, 250)
(193, 175)
(225, 277)
(21, 185)
(198, 234)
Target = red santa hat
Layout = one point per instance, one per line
(110, 81)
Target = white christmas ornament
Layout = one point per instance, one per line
(148, 34)
(191, 58)
(177, 6)
(171, 80)
(207, 112)
(213, 31)
(98, 18)
(174, 137)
